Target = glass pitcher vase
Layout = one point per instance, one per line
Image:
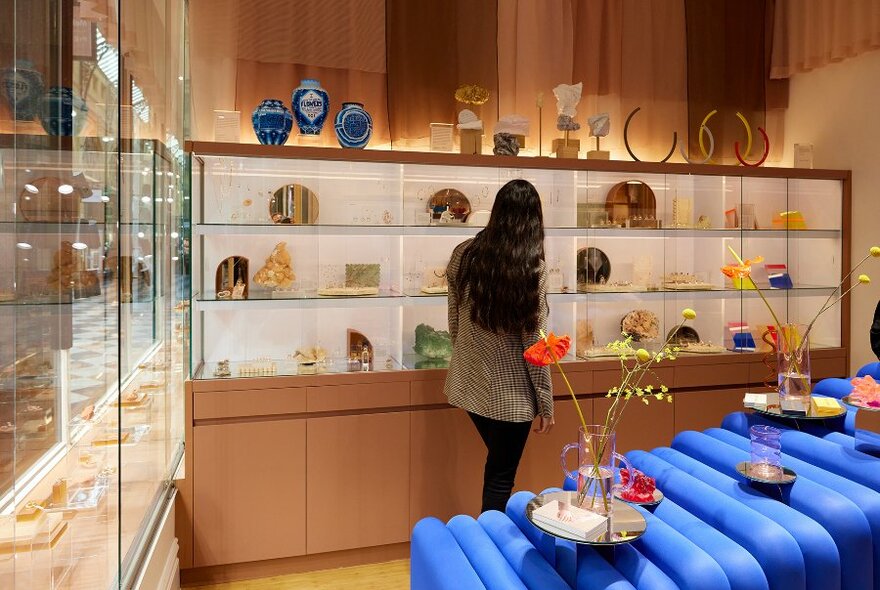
(597, 460)
(793, 366)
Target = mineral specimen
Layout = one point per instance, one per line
(277, 273)
(431, 343)
(505, 145)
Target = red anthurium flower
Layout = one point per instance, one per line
(547, 350)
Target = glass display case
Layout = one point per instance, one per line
(93, 293)
(362, 239)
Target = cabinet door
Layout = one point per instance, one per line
(249, 491)
(446, 466)
(540, 467)
(699, 410)
(357, 481)
(642, 426)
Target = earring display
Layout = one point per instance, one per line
(434, 281)
(593, 268)
(632, 204)
(451, 200)
(231, 279)
(359, 280)
(360, 351)
(685, 281)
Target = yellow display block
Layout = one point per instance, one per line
(825, 406)
(739, 283)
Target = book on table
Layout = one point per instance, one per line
(570, 520)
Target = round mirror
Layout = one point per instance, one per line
(294, 203)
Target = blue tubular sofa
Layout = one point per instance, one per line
(713, 531)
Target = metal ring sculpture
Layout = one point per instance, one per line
(708, 157)
(742, 158)
(626, 140)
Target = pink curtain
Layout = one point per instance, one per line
(627, 53)
(811, 34)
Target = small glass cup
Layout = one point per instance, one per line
(766, 452)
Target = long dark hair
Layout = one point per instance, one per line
(502, 265)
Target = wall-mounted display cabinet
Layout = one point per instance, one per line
(365, 242)
(367, 235)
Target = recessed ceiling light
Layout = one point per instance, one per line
(169, 200)
(65, 189)
(145, 199)
(31, 188)
(23, 246)
(174, 234)
(140, 234)
(105, 198)
(78, 246)
(174, 258)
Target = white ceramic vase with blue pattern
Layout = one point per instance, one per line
(310, 104)
(272, 122)
(23, 87)
(354, 125)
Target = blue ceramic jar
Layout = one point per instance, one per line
(310, 105)
(354, 125)
(272, 122)
(23, 87)
(62, 112)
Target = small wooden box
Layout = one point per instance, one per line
(471, 141)
(568, 149)
(598, 155)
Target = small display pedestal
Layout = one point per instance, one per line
(625, 525)
(567, 148)
(471, 141)
(867, 428)
(786, 476)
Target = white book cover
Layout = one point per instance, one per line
(761, 400)
(570, 519)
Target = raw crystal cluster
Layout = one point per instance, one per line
(277, 273)
(505, 144)
(431, 343)
(467, 119)
(599, 124)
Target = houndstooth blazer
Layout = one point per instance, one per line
(487, 373)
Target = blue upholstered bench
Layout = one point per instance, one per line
(713, 531)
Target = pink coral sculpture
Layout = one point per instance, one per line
(866, 392)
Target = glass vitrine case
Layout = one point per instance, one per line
(93, 289)
(319, 261)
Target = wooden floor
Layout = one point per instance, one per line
(393, 575)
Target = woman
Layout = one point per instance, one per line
(875, 332)
(497, 308)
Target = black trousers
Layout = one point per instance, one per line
(505, 442)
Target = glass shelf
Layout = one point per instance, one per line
(471, 230)
(287, 368)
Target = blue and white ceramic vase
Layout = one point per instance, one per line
(310, 105)
(62, 112)
(23, 87)
(354, 125)
(272, 122)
